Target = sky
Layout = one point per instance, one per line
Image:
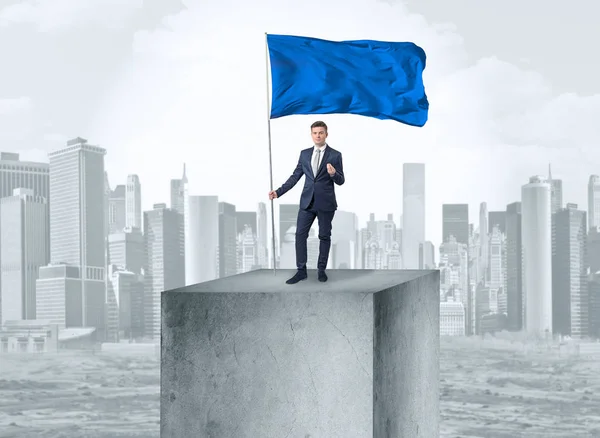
(512, 87)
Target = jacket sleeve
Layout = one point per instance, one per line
(338, 177)
(292, 180)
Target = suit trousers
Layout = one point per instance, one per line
(306, 218)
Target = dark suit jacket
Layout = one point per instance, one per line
(321, 186)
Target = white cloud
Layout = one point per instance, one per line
(14, 105)
(61, 14)
(197, 94)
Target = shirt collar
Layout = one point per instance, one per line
(322, 148)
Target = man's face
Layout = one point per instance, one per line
(319, 135)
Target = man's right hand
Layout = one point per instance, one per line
(272, 195)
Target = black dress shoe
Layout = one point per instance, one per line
(299, 276)
(322, 276)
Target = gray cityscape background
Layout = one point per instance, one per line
(167, 186)
(80, 254)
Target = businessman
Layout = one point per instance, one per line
(322, 166)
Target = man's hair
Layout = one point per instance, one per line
(319, 124)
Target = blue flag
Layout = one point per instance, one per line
(364, 77)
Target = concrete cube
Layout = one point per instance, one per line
(250, 356)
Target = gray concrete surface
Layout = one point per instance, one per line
(406, 363)
(250, 356)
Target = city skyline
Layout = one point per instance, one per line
(176, 200)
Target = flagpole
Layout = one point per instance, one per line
(270, 156)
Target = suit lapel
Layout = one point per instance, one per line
(323, 163)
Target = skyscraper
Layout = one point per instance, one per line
(246, 218)
(537, 255)
(594, 201)
(179, 193)
(455, 219)
(288, 215)
(569, 273)
(556, 198)
(203, 240)
(116, 210)
(495, 259)
(344, 241)
(23, 234)
(133, 202)
(126, 250)
(484, 243)
(77, 238)
(164, 265)
(413, 213)
(227, 240)
(497, 218)
(16, 174)
(107, 193)
(514, 267)
(262, 236)
(426, 255)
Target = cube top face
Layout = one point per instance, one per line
(340, 280)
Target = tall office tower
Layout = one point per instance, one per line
(186, 211)
(537, 255)
(262, 236)
(227, 240)
(593, 285)
(344, 241)
(484, 243)
(454, 268)
(124, 304)
(364, 236)
(426, 255)
(454, 255)
(383, 231)
(514, 265)
(393, 257)
(287, 259)
(593, 249)
(77, 239)
(133, 202)
(203, 240)
(246, 218)
(455, 218)
(288, 216)
(247, 255)
(23, 249)
(387, 233)
(556, 198)
(127, 250)
(497, 218)
(373, 255)
(594, 201)
(179, 192)
(116, 210)
(164, 265)
(16, 174)
(569, 273)
(413, 213)
(107, 193)
(496, 266)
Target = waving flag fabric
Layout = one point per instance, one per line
(363, 77)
